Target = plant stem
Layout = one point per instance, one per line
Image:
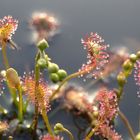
(63, 82)
(127, 124)
(6, 64)
(69, 133)
(35, 121)
(74, 75)
(46, 120)
(91, 133)
(45, 117)
(20, 112)
(5, 59)
(25, 105)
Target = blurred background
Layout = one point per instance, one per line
(116, 21)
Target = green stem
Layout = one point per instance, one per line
(69, 133)
(35, 121)
(63, 82)
(5, 59)
(127, 124)
(74, 75)
(91, 133)
(3, 110)
(6, 63)
(25, 105)
(20, 112)
(46, 120)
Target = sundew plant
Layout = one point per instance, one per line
(33, 95)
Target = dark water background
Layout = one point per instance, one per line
(117, 21)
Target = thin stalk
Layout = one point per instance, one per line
(6, 64)
(35, 121)
(46, 120)
(74, 75)
(13, 94)
(127, 124)
(20, 112)
(44, 115)
(25, 105)
(5, 59)
(37, 75)
(69, 133)
(91, 133)
(63, 82)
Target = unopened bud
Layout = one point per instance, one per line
(62, 74)
(58, 127)
(54, 77)
(138, 54)
(121, 79)
(53, 68)
(42, 45)
(127, 65)
(47, 58)
(42, 63)
(133, 58)
(12, 78)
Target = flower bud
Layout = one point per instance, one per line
(138, 54)
(58, 127)
(42, 45)
(47, 58)
(12, 78)
(127, 65)
(53, 68)
(42, 63)
(138, 136)
(54, 77)
(121, 79)
(133, 58)
(62, 74)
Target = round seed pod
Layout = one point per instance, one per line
(42, 63)
(127, 65)
(42, 45)
(121, 79)
(12, 78)
(53, 68)
(138, 54)
(54, 77)
(133, 58)
(62, 74)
